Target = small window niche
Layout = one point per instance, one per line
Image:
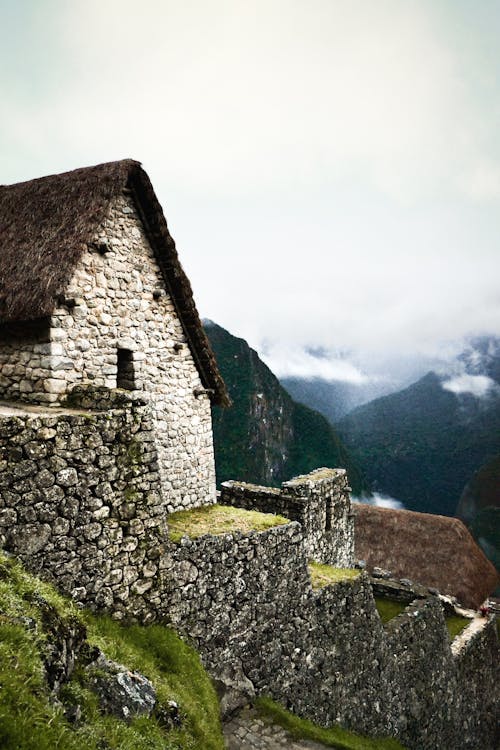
(125, 376)
(328, 515)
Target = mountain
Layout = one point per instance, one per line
(423, 443)
(479, 508)
(265, 437)
(332, 398)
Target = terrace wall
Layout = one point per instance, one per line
(80, 503)
(246, 602)
(319, 501)
(80, 498)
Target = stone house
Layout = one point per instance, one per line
(92, 292)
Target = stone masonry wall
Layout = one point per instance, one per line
(117, 301)
(319, 501)
(247, 604)
(80, 499)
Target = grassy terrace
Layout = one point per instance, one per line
(335, 736)
(389, 608)
(324, 575)
(219, 519)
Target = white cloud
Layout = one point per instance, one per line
(477, 385)
(381, 501)
(330, 170)
(300, 363)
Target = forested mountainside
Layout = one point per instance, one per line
(479, 508)
(422, 444)
(265, 437)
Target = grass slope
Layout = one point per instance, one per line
(30, 719)
(335, 737)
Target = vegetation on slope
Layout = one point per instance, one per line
(219, 519)
(390, 608)
(265, 437)
(335, 737)
(422, 444)
(32, 617)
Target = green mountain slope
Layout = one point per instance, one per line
(422, 444)
(265, 437)
(479, 508)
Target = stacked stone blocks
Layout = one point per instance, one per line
(81, 501)
(319, 501)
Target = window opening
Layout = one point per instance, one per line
(328, 519)
(125, 377)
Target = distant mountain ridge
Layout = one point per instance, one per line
(422, 444)
(266, 437)
(332, 398)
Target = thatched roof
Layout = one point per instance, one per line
(45, 225)
(436, 551)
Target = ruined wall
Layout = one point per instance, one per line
(117, 301)
(80, 499)
(247, 604)
(319, 501)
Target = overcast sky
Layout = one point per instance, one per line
(329, 169)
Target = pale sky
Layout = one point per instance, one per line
(329, 169)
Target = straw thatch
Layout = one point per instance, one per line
(45, 226)
(435, 551)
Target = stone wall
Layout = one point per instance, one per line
(118, 325)
(80, 499)
(319, 501)
(247, 604)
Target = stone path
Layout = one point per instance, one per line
(247, 731)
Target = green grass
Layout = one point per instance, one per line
(219, 519)
(390, 608)
(324, 575)
(29, 720)
(456, 624)
(335, 736)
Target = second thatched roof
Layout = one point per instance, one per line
(435, 551)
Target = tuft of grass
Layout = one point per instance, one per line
(334, 736)
(388, 608)
(219, 519)
(456, 624)
(324, 575)
(31, 720)
(173, 667)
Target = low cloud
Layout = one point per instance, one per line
(381, 501)
(294, 362)
(477, 385)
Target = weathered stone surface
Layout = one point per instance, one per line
(319, 501)
(64, 521)
(259, 626)
(122, 693)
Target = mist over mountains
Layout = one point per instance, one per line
(432, 446)
(265, 437)
(335, 382)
